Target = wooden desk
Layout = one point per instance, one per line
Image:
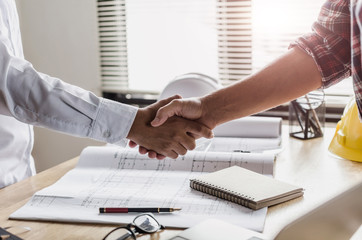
(304, 163)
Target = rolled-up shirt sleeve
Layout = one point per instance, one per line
(329, 42)
(41, 100)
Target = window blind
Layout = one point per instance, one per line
(112, 25)
(234, 29)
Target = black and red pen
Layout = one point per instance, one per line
(127, 210)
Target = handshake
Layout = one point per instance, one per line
(170, 127)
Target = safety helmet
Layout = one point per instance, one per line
(347, 141)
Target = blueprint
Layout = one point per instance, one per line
(121, 177)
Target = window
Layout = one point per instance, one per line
(113, 44)
(146, 43)
(277, 23)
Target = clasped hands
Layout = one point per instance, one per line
(169, 127)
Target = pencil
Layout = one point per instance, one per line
(319, 127)
(127, 210)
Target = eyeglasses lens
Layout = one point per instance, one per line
(147, 223)
(121, 234)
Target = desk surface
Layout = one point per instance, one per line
(304, 163)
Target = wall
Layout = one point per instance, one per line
(60, 39)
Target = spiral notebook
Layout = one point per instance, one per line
(245, 187)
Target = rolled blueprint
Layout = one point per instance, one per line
(253, 127)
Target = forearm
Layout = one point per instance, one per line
(289, 77)
(45, 101)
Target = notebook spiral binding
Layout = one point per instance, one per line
(223, 193)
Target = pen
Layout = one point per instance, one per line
(127, 210)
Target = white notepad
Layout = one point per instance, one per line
(245, 187)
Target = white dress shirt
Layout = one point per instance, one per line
(28, 97)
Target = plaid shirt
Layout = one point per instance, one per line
(335, 44)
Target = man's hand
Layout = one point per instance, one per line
(191, 108)
(173, 138)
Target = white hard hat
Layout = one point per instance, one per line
(190, 85)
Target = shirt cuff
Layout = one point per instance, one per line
(113, 122)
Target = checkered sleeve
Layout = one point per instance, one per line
(329, 42)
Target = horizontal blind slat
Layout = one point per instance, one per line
(234, 28)
(112, 31)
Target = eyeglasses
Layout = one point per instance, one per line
(143, 223)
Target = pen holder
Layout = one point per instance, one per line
(307, 116)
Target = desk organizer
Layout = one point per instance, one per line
(307, 116)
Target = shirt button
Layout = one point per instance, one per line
(106, 134)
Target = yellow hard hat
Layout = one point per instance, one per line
(347, 141)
